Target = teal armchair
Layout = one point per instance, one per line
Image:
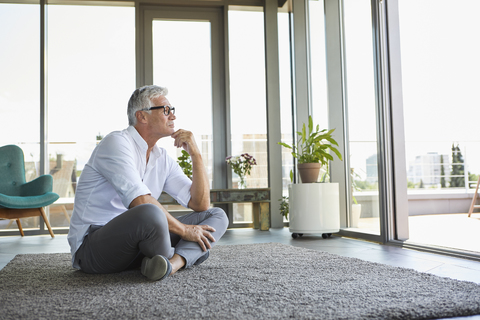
(20, 199)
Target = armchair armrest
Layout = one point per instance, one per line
(38, 186)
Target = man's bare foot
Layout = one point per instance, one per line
(177, 262)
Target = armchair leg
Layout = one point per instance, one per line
(65, 212)
(19, 225)
(16, 214)
(10, 223)
(44, 216)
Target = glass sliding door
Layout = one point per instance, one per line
(183, 52)
(440, 68)
(91, 75)
(20, 90)
(361, 118)
(185, 68)
(248, 100)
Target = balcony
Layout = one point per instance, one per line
(436, 218)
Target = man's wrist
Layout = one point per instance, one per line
(196, 156)
(183, 230)
(175, 226)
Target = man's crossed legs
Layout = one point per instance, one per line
(142, 232)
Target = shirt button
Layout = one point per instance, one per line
(14, 183)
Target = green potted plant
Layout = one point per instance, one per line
(185, 163)
(312, 151)
(284, 207)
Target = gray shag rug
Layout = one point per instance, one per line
(255, 281)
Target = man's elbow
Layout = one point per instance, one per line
(200, 206)
(147, 198)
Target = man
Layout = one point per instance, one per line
(117, 222)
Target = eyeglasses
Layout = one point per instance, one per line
(166, 109)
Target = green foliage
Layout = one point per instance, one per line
(355, 187)
(284, 207)
(99, 137)
(314, 146)
(472, 177)
(365, 185)
(442, 173)
(186, 164)
(411, 185)
(421, 186)
(458, 169)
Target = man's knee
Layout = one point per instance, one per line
(219, 214)
(150, 215)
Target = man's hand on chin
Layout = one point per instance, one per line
(185, 139)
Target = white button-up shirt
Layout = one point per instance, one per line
(115, 175)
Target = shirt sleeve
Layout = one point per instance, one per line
(115, 160)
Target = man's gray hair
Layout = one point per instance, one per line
(142, 99)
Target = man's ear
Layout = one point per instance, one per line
(141, 118)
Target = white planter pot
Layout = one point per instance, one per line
(314, 208)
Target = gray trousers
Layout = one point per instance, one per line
(141, 232)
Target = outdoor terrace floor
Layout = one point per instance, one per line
(451, 231)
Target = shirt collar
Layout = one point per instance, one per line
(137, 138)
(141, 143)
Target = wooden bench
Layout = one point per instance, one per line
(259, 197)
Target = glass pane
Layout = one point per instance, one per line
(91, 75)
(364, 209)
(285, 97)
(439, 69)
(185, 68)
(247, 98)
(20, 89)
(318, 71)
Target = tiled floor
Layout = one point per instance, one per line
(425, 262)
(453, 231)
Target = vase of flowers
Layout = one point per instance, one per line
(242, 166)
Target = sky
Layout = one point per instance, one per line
(91, 75)
(439, 67)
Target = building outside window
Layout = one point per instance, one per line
(91, 75)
